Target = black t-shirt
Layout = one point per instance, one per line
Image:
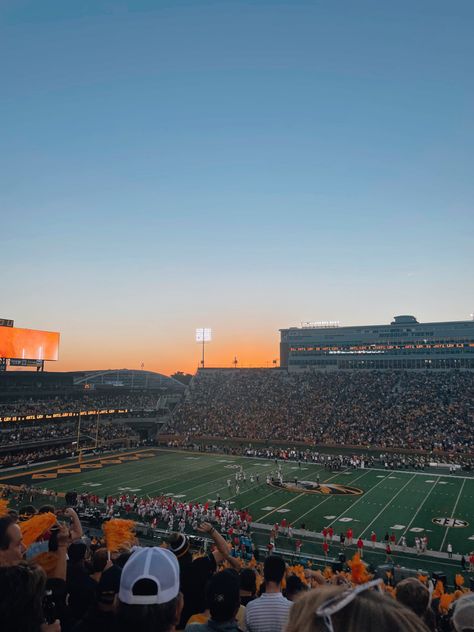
(82, 591)
(194, 576)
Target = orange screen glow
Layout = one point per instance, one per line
(28, 344)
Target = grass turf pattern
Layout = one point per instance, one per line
(404, 502)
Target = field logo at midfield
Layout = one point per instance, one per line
(450, 522)
(310, 487)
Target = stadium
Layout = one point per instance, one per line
(317, 460)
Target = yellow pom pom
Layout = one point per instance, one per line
(119, 534)
(36, 526)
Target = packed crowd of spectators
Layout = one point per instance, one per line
(54, 577)
(58, 431)
(408, 410)
(16, 434)
(80, 402)
(25, 457)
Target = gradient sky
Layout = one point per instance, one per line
(242, 165)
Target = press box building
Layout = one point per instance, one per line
(404, 344)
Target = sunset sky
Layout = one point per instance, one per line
(242, 165)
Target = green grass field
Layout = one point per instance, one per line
(405, 502)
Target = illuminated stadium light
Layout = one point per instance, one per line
(203, 335)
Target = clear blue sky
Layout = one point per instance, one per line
(240, 165)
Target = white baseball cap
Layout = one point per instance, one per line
(155, 564)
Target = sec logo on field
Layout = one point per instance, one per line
(450, 522)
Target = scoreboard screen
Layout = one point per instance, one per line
(28, 344)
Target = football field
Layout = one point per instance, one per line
(404, 502)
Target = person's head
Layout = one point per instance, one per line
(463, 617)
(294, 587)
(46, 509)
(22, 591)
(338, 609)
(223, 595)
(12, 548)
(149, 597)
(27, 511)
(13, 515)
(413, 594)
(77, 553)
(122, 559)
(99, 560)
(179, 544)
(273, 569)
(108, 588)
(248, 581)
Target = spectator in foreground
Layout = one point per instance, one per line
(149, 597)
(463, 617)
(337, 609)
(415, 596)
(22, 589)
(294, 587)
(248, 585)
(81, 588)
(102, 615)
(12, 548)
(269, 613)
(194, 574)
(223, 599)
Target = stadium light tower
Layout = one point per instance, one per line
(203, 335)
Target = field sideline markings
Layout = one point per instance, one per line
(30, 472)
(330, 496)
(388, 504)
(359, 499)
(452, 514)
(103, 475)
(419, 508)
(305, 463)
(459, 478)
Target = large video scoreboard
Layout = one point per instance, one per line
(26, 347)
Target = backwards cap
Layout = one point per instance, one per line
(158, 565)
(179, 544)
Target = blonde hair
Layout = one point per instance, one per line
(370, 611)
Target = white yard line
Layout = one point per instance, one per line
(453, 512)
(387, 505)
(458, 478)
(358, 501)
(168, 477)
(419, 508)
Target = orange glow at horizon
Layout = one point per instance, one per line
(169, 357)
